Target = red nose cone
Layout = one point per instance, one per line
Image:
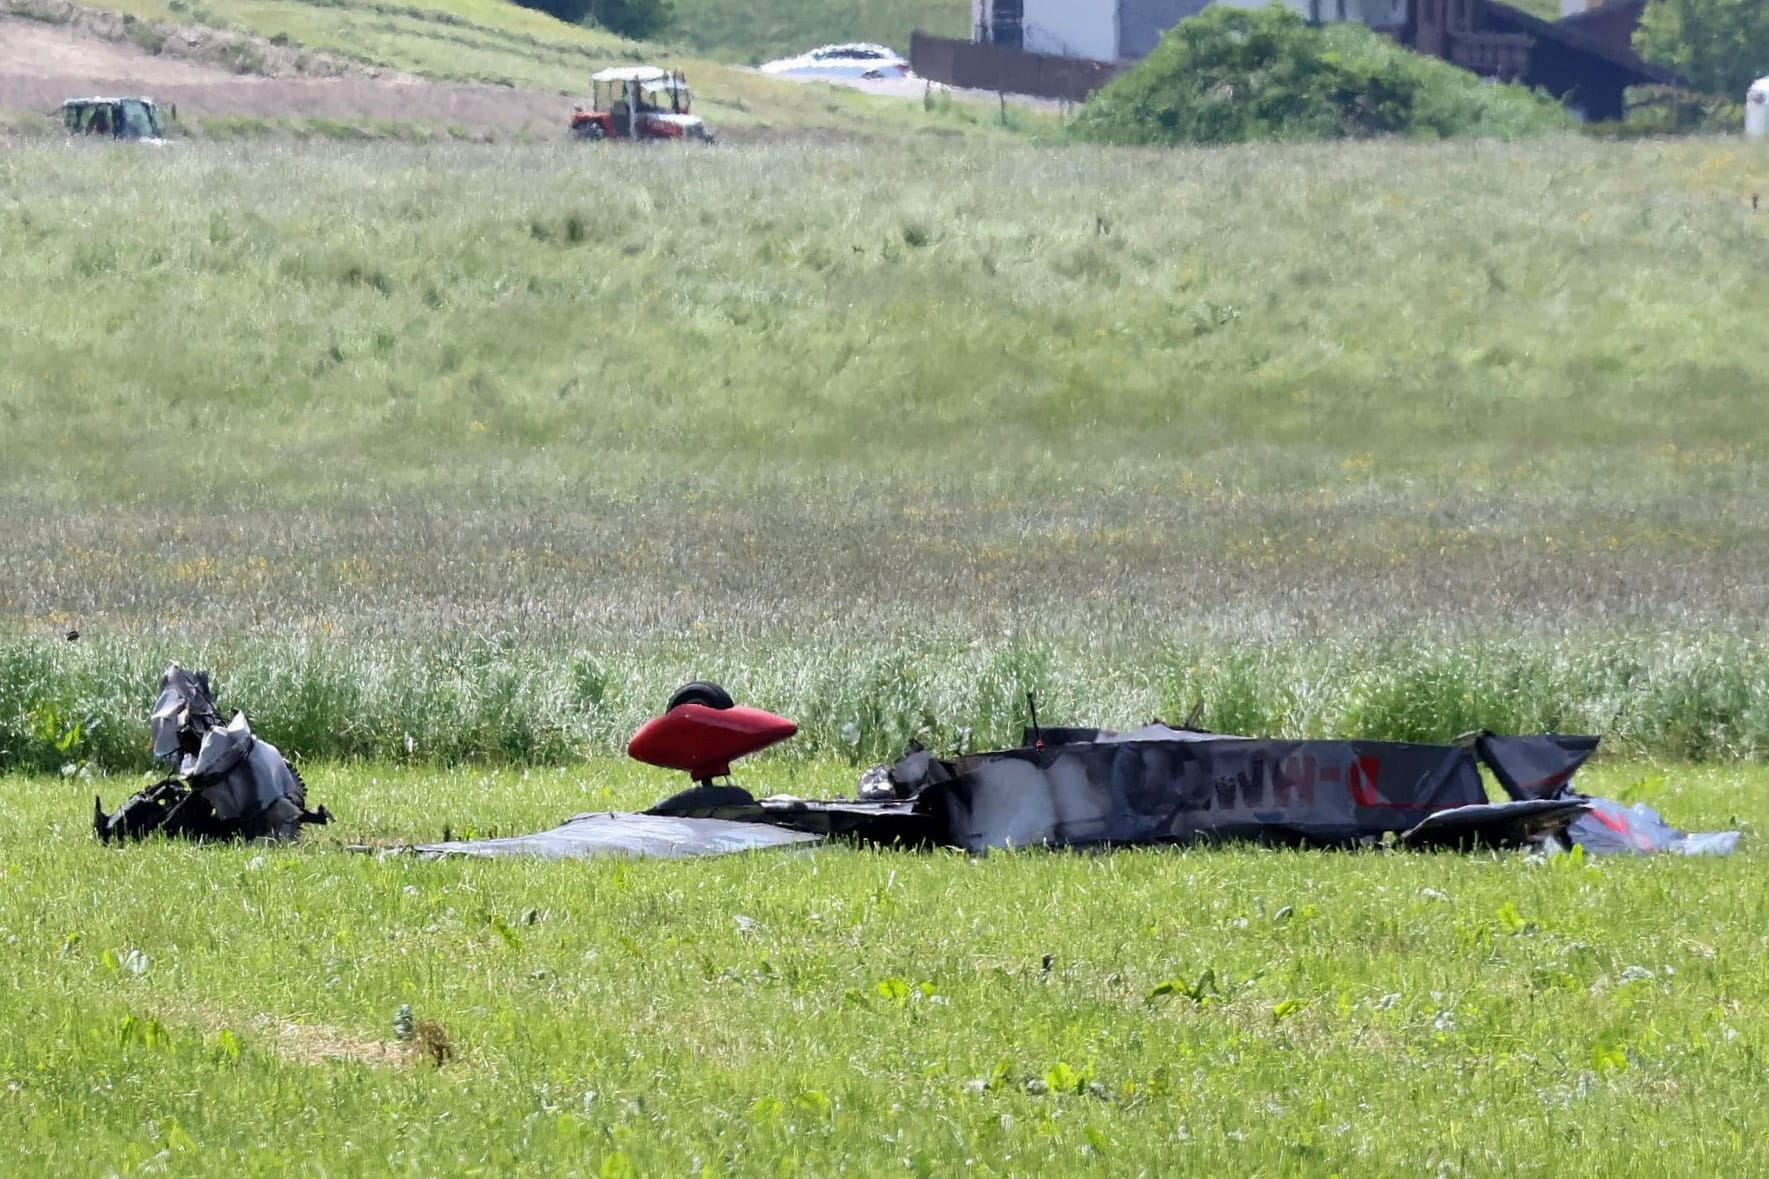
(705, 741)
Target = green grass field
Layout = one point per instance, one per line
(1399, 440)
(204, 1011)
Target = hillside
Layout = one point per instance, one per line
(352, 69)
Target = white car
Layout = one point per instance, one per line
(856, 59)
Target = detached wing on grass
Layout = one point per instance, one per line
(661, 836)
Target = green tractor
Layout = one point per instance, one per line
(136, 119)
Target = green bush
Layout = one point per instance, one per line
(1670, 110)
(1231, 75)
(637, 19)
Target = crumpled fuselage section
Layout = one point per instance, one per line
(1164, 786)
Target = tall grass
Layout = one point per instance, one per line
(499, 701)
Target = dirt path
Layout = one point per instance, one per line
(41, 64)
(31, 49)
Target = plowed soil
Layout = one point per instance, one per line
(41, 64)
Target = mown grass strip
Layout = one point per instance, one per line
(867, 1012)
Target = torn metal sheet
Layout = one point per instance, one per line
(1541, 766)
(1150, 787)
(1609, 827)
(229, 783)
(1495, 824)
(892, 821)
(605, 834)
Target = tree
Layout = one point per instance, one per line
(1720, 46)
(572, 12)
(638, 19)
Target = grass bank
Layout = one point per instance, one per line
(233, 1011)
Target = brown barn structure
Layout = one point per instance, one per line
(1583, 60)
(1609, 22)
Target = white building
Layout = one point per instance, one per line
(1120, 30)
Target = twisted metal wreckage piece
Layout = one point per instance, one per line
(229, 784)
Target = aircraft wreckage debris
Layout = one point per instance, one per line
(1080, 788)
(1062, 787)
(228, 783)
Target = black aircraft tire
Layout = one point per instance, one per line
(701, 692)
(591, 131)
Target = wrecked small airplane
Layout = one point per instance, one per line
(1063, 787)
(228, 783)
(1098, 788)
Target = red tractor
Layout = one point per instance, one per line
(638, 103)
